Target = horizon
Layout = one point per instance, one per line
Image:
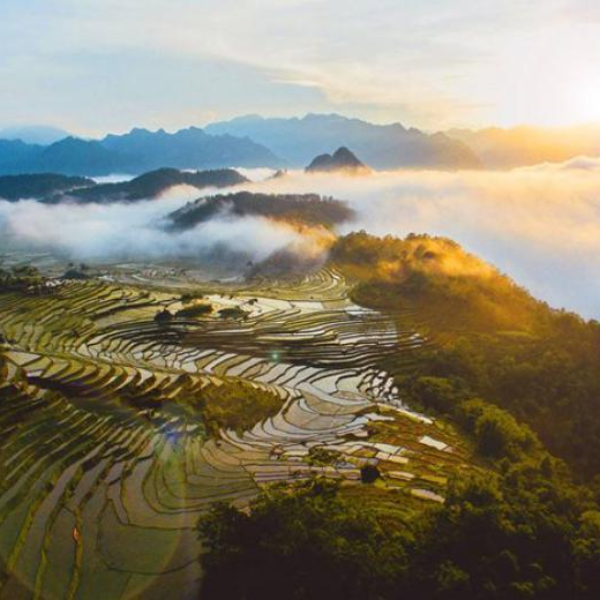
(300, 116)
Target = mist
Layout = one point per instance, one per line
(540, 225)
(136, 231)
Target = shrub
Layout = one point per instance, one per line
(369, 474)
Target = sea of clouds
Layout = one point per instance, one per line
(540, 225)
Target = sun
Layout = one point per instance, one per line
(585, 98)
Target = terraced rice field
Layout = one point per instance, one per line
(104, 470)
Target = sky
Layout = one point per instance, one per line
(93, 66)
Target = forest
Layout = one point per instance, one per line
(491, 337)
(519, 380)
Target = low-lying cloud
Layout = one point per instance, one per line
(136, 231)
(540, 225)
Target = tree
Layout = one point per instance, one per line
(304, 544)
(163, 317)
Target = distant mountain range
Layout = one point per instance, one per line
(254, 141)
(135, 152)
(298, 141)
(34, 134)
(187, 149)
(53, 188)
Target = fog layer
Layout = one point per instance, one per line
(136, 231)
(540, 225)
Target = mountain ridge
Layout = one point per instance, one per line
(135, 152)
(299, 140)
(34, 134)
(53, 188)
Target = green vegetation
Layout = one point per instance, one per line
(522, 533)
(489, 336)
(153, 183)
(188, 297)
(163, 317)
(195, 310)
(235, 405)
(53, 188)
(461, 289)
(306, 544)
(303, 209)
(369, 474)
(323, 456)
(76, 272)
(550, 381)
(522, 530)
(23, 278)
(234, 312)
(15, 187)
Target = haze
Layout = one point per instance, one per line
(539, 225)
(93, 66)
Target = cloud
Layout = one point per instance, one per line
(117, 232)
(398, 60)
(578, 163)
(539, 225)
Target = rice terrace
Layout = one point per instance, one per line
(299, 300)
(116, 433)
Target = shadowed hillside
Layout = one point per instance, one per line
(380, 146)
(151, 185)
(15, 187)
(341, 161)
(307, 209)
(135, 152)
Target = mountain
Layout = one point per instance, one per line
(300, 209)
(70, 156)
(73, 156)
(381, 146)
(15, 187)
(34, 134)
(152, 184)
(342, 160)
(524, 146)
(16, 155)
(136, 152)
(188, 149)
(52, 188)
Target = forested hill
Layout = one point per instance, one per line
(154, 183)
(490, 337)
(518, 527)
(53, 188)
(303, 209)
(16, 187)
